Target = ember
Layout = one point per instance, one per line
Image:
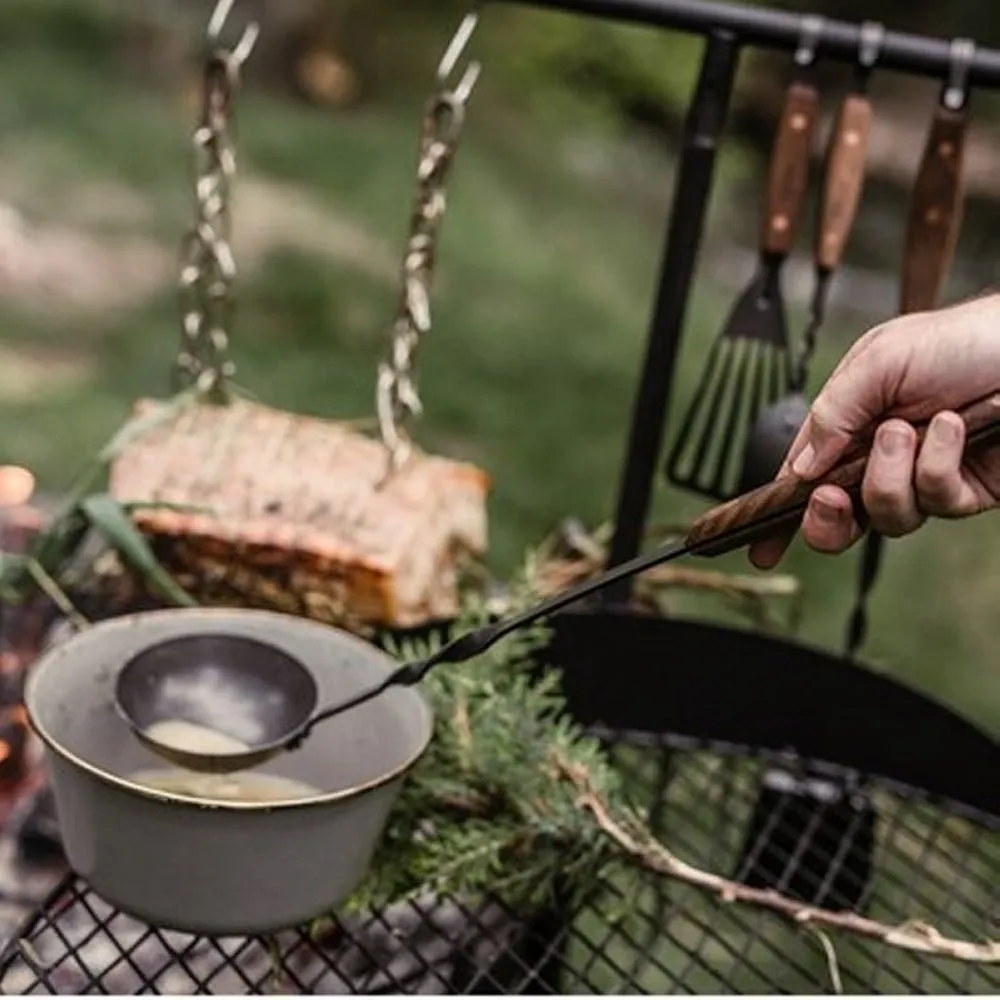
(31, 860)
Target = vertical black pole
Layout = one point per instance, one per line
(706, 117)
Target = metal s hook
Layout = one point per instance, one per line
(241, 52)
(870, 41)
(809, 36)
(449, 62)
(956, 90)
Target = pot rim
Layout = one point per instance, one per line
(173, 798)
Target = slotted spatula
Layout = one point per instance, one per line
(749, 366)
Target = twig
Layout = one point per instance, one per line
(559, 573)
(573, 554)
(31, 956)
(647, 851)
(831, 959)
(55, 593)
(274, 976)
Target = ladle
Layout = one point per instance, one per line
(267, 699)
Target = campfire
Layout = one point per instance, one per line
(31, 861)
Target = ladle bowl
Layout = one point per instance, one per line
(236, 686)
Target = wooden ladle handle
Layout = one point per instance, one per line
(782, 503)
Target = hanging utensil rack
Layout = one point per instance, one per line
(728, 29)
(699, 730)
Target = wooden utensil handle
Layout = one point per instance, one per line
(782, 503)
(845, 175)
(788, 175)
(935, 215)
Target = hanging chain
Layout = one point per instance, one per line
(208, 267)
(397, 397)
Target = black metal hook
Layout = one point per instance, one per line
(449, 62)
(809, 37)
(870, 40)
(956, 89)
(241, 51)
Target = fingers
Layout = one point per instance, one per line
(888, 490)
(900, 490)
(829, 525)
(941, 487)
(768, 553)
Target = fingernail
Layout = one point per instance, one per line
(827, 513)
(891, 441)
(804, 461)
(944, 431)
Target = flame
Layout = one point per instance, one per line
(17, 484)
(5, 751)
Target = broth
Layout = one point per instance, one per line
(241, 787)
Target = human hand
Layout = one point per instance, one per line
(916, 367)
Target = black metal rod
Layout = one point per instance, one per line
(776, 29)
(705, 120)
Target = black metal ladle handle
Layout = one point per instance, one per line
(477, 641)
(746, 519)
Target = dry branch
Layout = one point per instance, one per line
(646, 851)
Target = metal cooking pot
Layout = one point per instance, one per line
(221, 867)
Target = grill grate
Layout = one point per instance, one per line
(813, 831)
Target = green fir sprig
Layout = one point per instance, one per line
(484, 812)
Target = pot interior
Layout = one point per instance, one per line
(70, 697)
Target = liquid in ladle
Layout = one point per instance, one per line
(188, 737)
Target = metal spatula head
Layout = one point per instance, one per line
(748, 369)
(770, 438)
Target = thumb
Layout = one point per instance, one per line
(851, 400)
(817, 448)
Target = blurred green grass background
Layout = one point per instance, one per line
(547, 269)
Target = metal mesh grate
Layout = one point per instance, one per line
(817, 833)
